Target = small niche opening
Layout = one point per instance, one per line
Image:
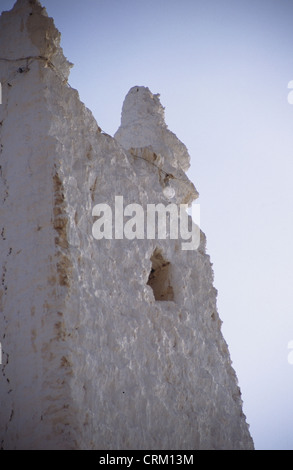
(160, 277)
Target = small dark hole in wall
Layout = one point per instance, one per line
(160, 277)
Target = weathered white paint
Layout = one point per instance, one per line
(90, 359)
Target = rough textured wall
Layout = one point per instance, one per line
(92, 359)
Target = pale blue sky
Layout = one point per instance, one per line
(222, 68)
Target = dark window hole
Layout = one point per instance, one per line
(160, 277)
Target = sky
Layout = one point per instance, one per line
(222, 68)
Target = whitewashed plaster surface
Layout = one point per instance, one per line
(91, 360)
